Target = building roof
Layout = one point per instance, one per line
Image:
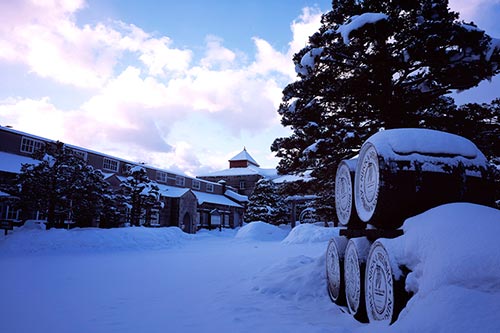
(215, 199)
(248, 171)
(235, 196)
(121, 160)
(172, 191)
(12, 163)
(244, 156)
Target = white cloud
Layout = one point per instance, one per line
(34, 116)
(216, 54)
(44, 36)
(307, 24)
(159, 57)
(161, 108)
(269, 60)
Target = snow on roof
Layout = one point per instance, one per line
(12, 163)
(107, 175)
(248, 171)
(357, 22)
(244, 156)
(172, 191)
(215, 199)
(236, 196)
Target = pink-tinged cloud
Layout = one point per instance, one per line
(44, 36)
(137, 109)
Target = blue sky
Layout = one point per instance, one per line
(190, 21)
(182, 85)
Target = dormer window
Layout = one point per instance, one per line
(80, 154)
(161, 176)
(29, 145)
(110, 164)
(180, 181)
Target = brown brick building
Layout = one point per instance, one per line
(188, 203)
(243, 173)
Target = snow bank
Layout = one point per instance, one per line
(453, 254)
(454, 244)
(310, 233)
(32, 240)
(299, 278)
(261, 231)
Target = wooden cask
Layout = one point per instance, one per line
(385, 294)
(344, 194)
(404, 172)
(355, 257)
(335, 269)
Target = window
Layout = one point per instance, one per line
(161, 176)
(30, 145)
(242, 184)
(110, 164)
(210, 187)
(196, 185)
(179, 181)
(9, 213)
(126, 168)
(80, 154)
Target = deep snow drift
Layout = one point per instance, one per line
(260, 278)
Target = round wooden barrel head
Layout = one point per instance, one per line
(352, 273)
(334, 278)
(343, 194)
(366, 184)
(379, 285)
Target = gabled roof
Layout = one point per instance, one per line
(215, 199)
(248, 171)
(172, 191)
(12, 163)
(235, 196)
(244, 156)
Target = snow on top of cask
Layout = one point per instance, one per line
(406, 141)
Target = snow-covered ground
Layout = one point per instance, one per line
(259, 278)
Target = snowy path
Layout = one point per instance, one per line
(210, 284)
(135, 280)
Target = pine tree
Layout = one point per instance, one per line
(375, 64)
(141, 194)
(266, 204)
(61, 185)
